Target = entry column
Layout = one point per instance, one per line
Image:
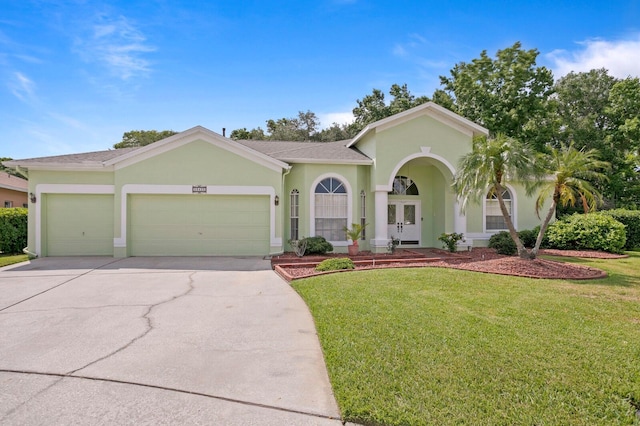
(381, 240)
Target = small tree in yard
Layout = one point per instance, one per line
(570, 169)
(493, 161)
(490, 164)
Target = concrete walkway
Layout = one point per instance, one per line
(158, 341)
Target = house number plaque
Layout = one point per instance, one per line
(199, 189)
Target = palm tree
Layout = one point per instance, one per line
(491, 163)
(570, 169)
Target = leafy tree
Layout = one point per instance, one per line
(573, 171)
(373, 106)
(491, 163)
(244, 134)
(337, 132)
(5, 169)
(304, 127)
(508, 94)
(135, 138)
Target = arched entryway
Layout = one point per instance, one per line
(418, 202)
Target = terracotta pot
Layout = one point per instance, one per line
(353, 249)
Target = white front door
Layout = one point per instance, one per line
(403, 220)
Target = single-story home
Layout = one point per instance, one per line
(13, 191)
(200, 193)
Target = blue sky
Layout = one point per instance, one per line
(76, 75)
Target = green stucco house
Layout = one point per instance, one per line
(199, 193)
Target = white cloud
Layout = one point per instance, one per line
(329, 118)
(22, 87)
(118, 45)
(620, 57)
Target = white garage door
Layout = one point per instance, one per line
(79, 225)
(199, 225)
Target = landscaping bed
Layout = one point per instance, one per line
(291, 267)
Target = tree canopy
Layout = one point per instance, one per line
(508, 94)
(135, 138)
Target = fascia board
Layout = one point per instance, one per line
(67, 167)
(13, 188)
(313, 161)
(191, 135)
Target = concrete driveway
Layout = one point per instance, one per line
(158, 341)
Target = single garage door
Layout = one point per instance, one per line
(199, 225)
(79, 225)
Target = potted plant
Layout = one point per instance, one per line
(354, 235)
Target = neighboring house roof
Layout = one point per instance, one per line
(431, 109)
(95, 158)
(309, 152)
(14, 183)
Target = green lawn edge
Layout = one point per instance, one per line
(427, 346)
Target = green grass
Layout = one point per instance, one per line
(10, 259)
(441, 346)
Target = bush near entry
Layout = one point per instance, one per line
(13, 229)
(591, 231)
(317, 245)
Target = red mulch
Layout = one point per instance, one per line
(478, 259)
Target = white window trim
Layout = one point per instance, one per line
(312, 202)
(296, 193)
(514, 211)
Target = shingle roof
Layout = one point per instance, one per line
(96, 157)
(299, 152)
(289, 152)
(13, 182)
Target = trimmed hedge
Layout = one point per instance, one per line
(317, 245)
(13, 229)
(592, 231)
(630, 219)
(503, 243)
(335, 264)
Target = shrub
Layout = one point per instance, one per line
(630, 219)
(529, 236)
(450, 241)
(591, 231)
(335, 264)
(503, 243)
(13, 229)
(317, 245)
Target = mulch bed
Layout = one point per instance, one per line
(479, 259)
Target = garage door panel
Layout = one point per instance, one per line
(191, 225)
(79, 225)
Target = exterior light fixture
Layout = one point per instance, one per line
(276, 200)
(32, 197)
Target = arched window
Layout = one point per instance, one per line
(403, 185)
(331, 209)
(294, 211)
(494, 221)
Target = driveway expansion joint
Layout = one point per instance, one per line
(71, 375)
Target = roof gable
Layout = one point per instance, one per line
(191, 135)
(13, 183)
(431, 109)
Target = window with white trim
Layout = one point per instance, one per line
(8, 204)
(294, 213)
(403, 185)
(331, 209)
(494, 221)
(363, 214)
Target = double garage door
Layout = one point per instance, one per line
(160, 225)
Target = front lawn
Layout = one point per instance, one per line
(10, 259)
(439, 346)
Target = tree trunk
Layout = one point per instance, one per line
(543, 227)
(522, 251)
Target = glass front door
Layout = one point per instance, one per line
(403, 221)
